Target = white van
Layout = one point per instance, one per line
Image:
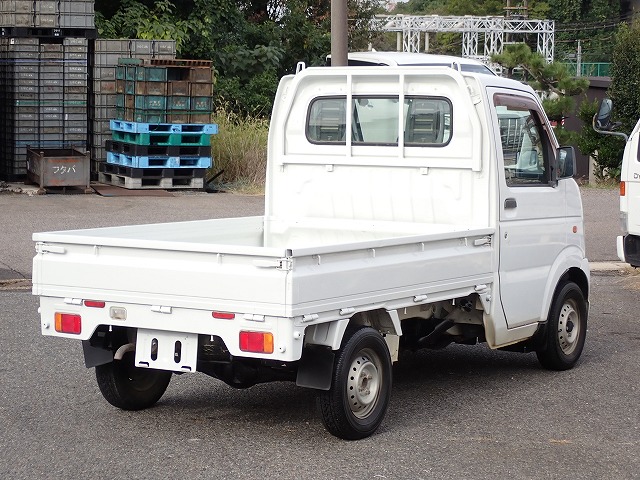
(373, 58)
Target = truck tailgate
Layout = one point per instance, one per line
(182, 264)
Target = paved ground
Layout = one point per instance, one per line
(22, 214)
(462, 412)
(602, 223)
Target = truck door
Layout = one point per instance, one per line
(532, 210)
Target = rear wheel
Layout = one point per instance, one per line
(566, 329)
(357, 401)
(128, 387)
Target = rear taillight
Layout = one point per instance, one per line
(68, 323)
(94, 303)
(256, 342)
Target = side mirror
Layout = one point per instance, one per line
(566, 162)
(601, 121)
(603, 117)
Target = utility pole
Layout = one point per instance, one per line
(579, 60)
(338, 33)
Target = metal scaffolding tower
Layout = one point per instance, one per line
(488, 33)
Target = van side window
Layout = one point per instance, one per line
(375, 121)
(525, 145)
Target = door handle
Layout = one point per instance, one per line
(510, 203)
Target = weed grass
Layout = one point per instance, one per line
(239, 153)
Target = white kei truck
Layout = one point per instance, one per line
(405, 208)
(628, 244)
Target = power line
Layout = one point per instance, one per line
(600, 24)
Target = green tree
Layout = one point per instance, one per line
(625, 65)
(251, 43)
(591, 21)
(552, 79)
(136, 20)
(606, 150)
(463, 7)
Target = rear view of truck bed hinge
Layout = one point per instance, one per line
(285, 264)
(481, 242)
(44, 248)
(279, 264)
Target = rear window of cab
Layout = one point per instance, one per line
(375, 120)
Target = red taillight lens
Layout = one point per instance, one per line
(223, 315)
(94, 303)
(256, 342)
(623, 189)
(68, 323)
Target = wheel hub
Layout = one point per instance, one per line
(363, 385)
(568, 328)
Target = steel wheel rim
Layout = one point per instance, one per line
(363, 384)
(140, 379)
(568, 327)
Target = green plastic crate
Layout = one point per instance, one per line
(179, 103)
(202, 104)
(151, 102)
(151, 74)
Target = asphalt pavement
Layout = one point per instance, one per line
(461, 412)
(21, 215)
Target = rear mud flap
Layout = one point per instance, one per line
(315, 369)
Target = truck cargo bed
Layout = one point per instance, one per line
(269, 268)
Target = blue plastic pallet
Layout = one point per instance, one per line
(158, 162)
(138, 127)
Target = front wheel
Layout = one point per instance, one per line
(128, 387)
(357, 401)
(566, 329)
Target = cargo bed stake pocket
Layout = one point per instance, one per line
(177, 352)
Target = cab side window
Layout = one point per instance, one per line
(526, 148)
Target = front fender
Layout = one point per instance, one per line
(570, 262)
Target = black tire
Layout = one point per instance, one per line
(130, 388)
(357, 401)
(566, 329)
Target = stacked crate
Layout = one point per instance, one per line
(44, 46)
(46, 17)
(63, 94)
(44, 98)
(161, 138)
(164, 91)
(103, 97)
(19, 95)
